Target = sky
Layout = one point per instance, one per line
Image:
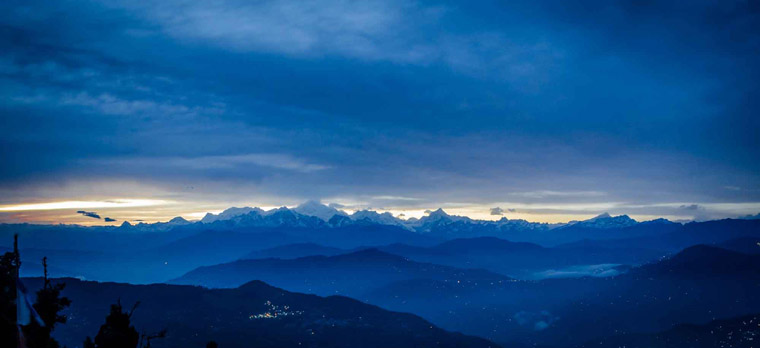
(548, 110)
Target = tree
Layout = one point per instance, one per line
(48, 305)
(212, 344)
(7, 300)
(148, 337)
(49, 301)
(117, 332)
(88, 343)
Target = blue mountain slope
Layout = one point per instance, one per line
(251, 316)
(352, 274)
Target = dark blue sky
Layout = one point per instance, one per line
(554, 109)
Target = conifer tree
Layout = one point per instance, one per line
(117, 332)
(48, 305)
(88, 343)
(7, 300)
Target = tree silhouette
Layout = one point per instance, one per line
(148, 337)
(88, 343)
(7, 300)
(48, 305)
(212, 344)
(117, 332)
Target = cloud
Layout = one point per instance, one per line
(343, 71)
(108, 219)
(497, 211)
(691, 207)
(115, 203)
(356, 29)
(537, 320)
(91, 214)
(225, 162)
(112, 105)
(577, 271)
(395, 198)
(388, 31)
(554, 194)
(699, 212)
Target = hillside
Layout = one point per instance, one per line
(352, 273)
(253, 315)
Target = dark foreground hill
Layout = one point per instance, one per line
(253, 315)
(742, 332)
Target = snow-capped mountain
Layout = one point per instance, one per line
(178, 221)
(280, 217)
(436, 224)
(436, 218)
(378, 218)
(317, 209)
(229, 213)
(308, 208)
(606, 221)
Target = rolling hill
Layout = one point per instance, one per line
(252, 315)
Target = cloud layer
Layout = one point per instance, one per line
(546, 108)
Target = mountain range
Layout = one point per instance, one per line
(351, 274)
(161, 251)
(252, 315)
(512, 282)
(693, 286)
(517, 259)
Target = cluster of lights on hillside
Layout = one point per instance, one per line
(274, 311)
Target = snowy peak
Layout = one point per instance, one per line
(601, 216)
(280, 217)
(438, 214)
(317, 209)
(605, 220)
(179, 221)
(375, 217)
(339, 221)
(229, 214)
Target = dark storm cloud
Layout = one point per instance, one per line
(623, 97)
(691, 207)
(91, 214)
(497, 211)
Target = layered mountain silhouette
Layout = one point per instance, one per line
(162, 251)
(353, 273)
(252, 315)
(693, 286)
(517, 259)
(510, 281)
(748, 245)
(704, 261)
(294, 251)
(558, 312)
